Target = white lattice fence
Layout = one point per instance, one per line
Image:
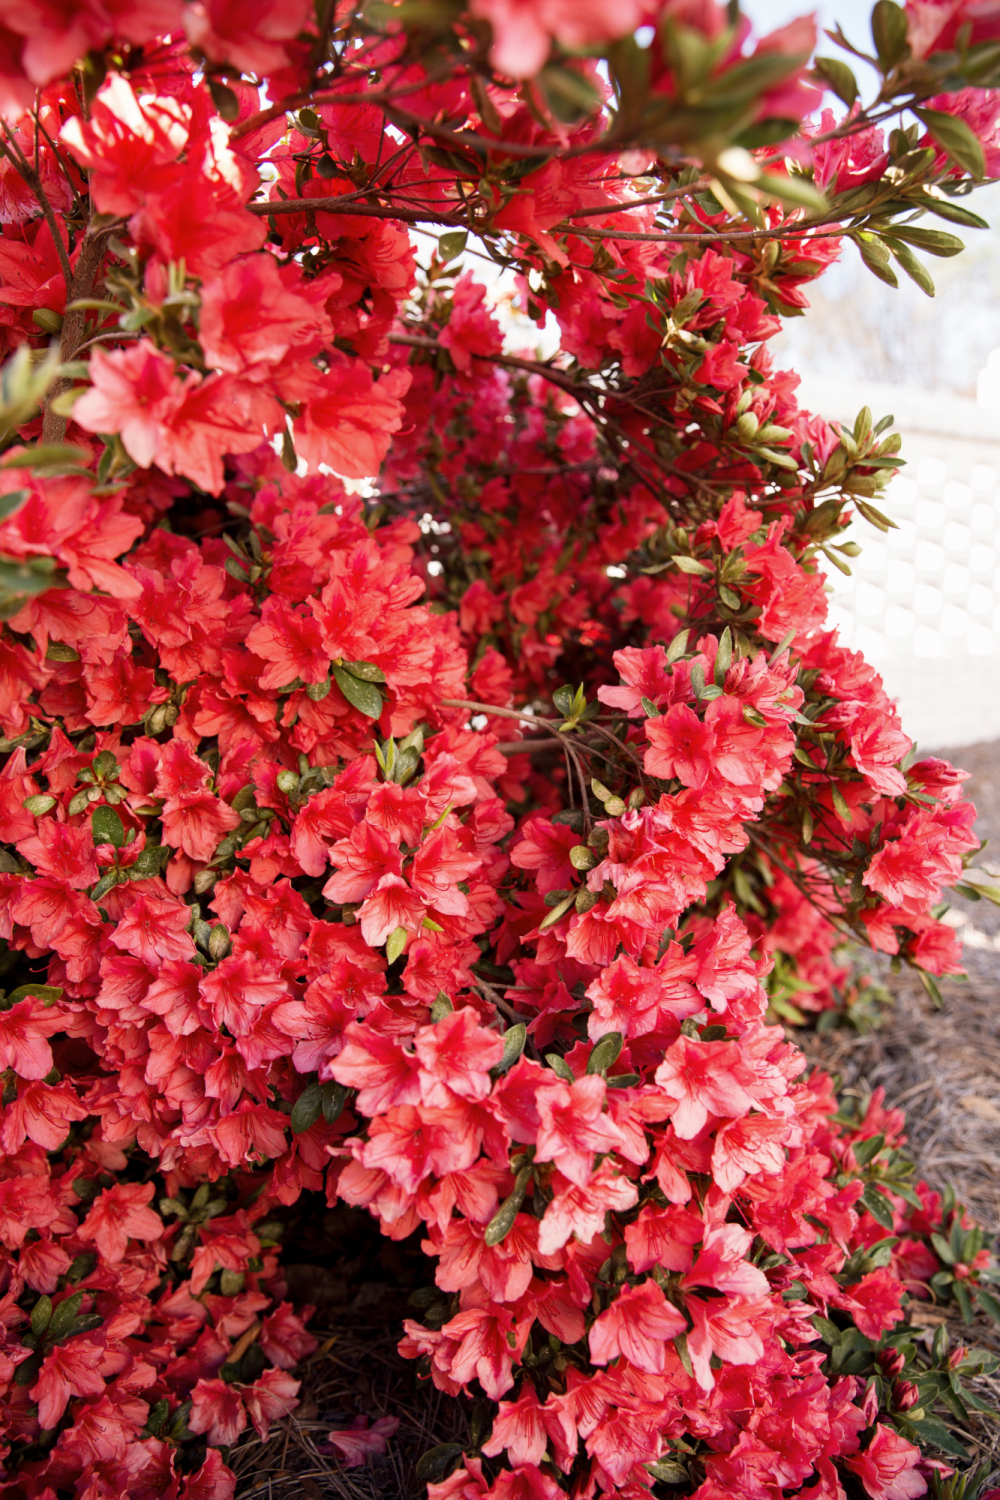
(924, 601)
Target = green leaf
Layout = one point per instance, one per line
(931, 1430)
(334, 1096)
(878, 1205)
(690, 565)
(514, 1039)
(451, 245)
(667, 1471)
(839, 77)
(557, 913)
(11, 503)
(955, 213)
(914, 268)
(39, 804)
(864, 1151)
(149, 862)
(41, 1315)
(605, 1052)
(955, 137)
(107, 883)
(365, 671)
(47, 456)
(47, 993)
(963, 1299)
(27, 1372)
(395, 943)
(64, 1316)
(988, 1303)
(306, 1109)
(560, 1067)
(364, 696)
(442, 1005)
(107, 827)
(876, 258)
(723, 657)
(800, 192)
(934, 241)
(889, 33)
(435, 1464)
(502, 1221)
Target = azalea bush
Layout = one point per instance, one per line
(428, 776)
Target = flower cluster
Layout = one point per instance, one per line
(427, 770)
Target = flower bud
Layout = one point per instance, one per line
(904, 1395)
(218, 942)
(287, 782)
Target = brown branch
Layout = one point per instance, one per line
(347, 205)
(27, 172)
(494, 711)
(528, 747)
(75, 322)
(511, 361)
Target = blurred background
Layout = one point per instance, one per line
(923, 602)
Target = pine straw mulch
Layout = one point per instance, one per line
(941, 1066)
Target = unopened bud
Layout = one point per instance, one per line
(582, 858)
(287, 782)
(157, 721)
(218, 942)
(171, 713)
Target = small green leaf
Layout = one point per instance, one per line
(306, 1109)
(876, 257)
(889, 33)
(918, 273)
(451, 245)
(41, 1315)
(365, 671)
(107, 827)
(149, 862)
(560, 1067)
(27, 1372)
(64, 1317)
(436, 1463)
(878, 1206)
(11, 503)
(954, 136)
(107, 883)
(502, 1221)
(557, 912)
(364, 696)
(395, 943)
(442, 1007)
(39, 805)
(934, 241)
(334, 1096)
(931, 1430)
(690, 565)
(866, 1151)
(839, 77)
(605, 1052)
(47, 993)
(989, 1304)
(514, 1039)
